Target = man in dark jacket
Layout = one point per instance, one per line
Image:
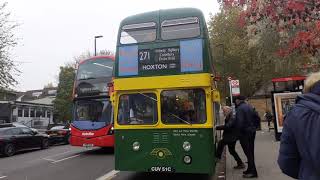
(230, 137)
(299, 155)
(245, 119)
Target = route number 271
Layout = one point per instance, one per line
(144, 55)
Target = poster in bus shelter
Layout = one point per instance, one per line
(283, 103)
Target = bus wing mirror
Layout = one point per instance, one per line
(215, 95)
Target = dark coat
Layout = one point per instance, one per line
(299, 155)
(245, 118)
(230, 132)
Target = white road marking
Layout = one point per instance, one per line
(65, 158)
(1, 177)
(51, 160)
(109, 175)
(60, 154)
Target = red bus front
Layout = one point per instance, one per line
(92, 125)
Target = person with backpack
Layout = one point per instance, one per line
(299, 154)
(245, 119)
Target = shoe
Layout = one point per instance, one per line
(245, 172)
(239, 166)
(250, 175)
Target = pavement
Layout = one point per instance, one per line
(266, 154)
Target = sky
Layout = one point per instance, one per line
(53, 32)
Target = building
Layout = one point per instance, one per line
(33, 108)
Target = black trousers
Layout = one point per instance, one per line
(247, 144)
(232, 150)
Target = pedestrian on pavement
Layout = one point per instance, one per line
(245, 118)
(299, 155)
(229, 137)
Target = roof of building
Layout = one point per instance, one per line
(39, 94)
(45, 100)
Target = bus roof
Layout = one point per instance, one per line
(167, 14)
(167, 52)
(97, 57)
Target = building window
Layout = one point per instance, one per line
(19, 112)
(48, 114)
(31, 112)
(26, 112)
(38, 113)
(43, 113)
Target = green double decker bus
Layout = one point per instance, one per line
(165, 97)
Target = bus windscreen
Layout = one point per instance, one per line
(94, 110)
(95, 68)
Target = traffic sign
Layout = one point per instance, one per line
(235, 87)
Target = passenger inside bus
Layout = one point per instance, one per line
(137, 109)
(183, 107)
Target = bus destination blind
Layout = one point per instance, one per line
(159, 59)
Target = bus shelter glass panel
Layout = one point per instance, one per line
(140, 108)
(95, 110)
(180, 28)
(138, 33)
(186, 106)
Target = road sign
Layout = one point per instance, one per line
(235, 87)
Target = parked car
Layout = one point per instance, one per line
(59, 134)
(15, 124)
(14, 139)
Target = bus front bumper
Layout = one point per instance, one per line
(101, 141)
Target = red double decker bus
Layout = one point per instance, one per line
(92, 124)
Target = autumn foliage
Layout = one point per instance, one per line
(296, 21)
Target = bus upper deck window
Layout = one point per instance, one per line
(138, 33)
(180, 28)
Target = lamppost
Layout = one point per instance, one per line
(95, 44)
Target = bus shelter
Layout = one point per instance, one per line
(283, 96)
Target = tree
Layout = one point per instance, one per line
(297, 23)
(7, 41)
(63, 102)
(238, 55)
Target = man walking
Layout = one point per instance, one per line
(245, 118)
(299, 155)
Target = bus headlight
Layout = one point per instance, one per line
(186, 146)
(136, 146)
(187, 159)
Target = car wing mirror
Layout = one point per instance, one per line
(34, 132)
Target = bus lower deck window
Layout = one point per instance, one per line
(140, 108)
(185, 106)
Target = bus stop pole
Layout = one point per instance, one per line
(230, 88)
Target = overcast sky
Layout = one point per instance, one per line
(53, 32)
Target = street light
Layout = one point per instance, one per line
(95, 44)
